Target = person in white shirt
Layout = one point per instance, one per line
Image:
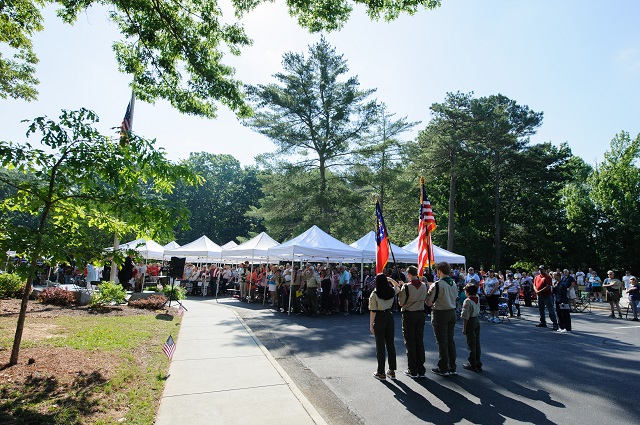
(626, 280)
(512, 287)
(491, 290)
(472, 277)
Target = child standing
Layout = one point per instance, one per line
(471, 327)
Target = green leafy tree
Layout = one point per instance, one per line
(173, 49)
(19, 21)
(444, 140)
(379, 156)
(314, 117)
(615, 192)
(81, 176)
(219, 204)
(291, 204)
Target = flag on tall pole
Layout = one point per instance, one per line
(125, 131)
(382, 241)
(426, 225)
(127, 122)
(169, 347)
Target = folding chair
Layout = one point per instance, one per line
(583, 302)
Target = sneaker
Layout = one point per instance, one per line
(541, 325)
(468, 366)
(619, 317)
(439, 372)
(613, 316)
(561, 330)
(422, 375)
(452, 372)
(410, 375)
(379, 376)
(391, 374)
(346, 313)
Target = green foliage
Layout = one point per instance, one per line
(218, 205)
(19, 21)
(175, 293)
(315, 114)
(57, 296)
(174, 50)
(10, 285)
(615, 193)
(108, 293)
(154, 302)
(525, 266)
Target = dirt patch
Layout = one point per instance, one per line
(60, 378)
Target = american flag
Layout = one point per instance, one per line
(169, 347)
(125, 127)
(426, 225)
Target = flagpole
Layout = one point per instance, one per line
(116, 242)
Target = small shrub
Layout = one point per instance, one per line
(109, 293)
(10, 284)
(57, 296)
(154, 302)
(175, 293)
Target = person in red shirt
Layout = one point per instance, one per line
(542, 288)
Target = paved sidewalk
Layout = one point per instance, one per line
(222, 374)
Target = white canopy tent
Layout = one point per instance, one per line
(367, 244)
(255, 248)
(147, 248)
(439, 254)
(315, 244)
(229, 245)
(171, 245)
(202, 248)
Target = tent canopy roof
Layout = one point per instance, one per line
(202, 247)
(367, 243)
(439, 254)
(256, 247)
(315, 244)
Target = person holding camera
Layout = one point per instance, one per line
(381, 324)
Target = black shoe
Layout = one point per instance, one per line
(613, 316)
(440, 372)
(410, 374)
(541, 325)
(468, 366)
(635, 319)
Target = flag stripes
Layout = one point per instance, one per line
(426, 225)
(169, 347)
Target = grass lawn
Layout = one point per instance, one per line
(84, 368)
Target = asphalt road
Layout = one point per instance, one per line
(531, 375)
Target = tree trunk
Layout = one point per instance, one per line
(496, 173)
(324, 210)
(15, 351)
(452, 197)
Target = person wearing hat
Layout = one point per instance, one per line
(542, 288)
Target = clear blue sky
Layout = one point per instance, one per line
(577, 61)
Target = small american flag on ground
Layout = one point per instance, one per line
(169, 347)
